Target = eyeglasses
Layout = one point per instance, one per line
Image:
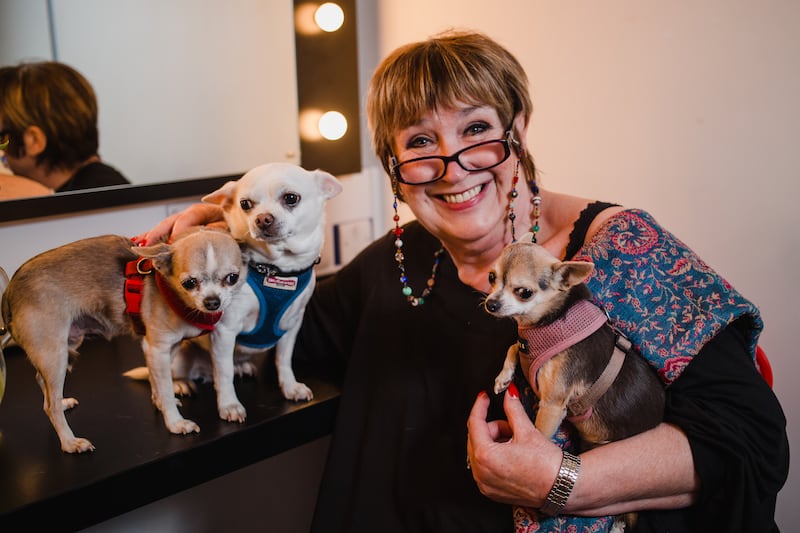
(5, 138)
(481, 156)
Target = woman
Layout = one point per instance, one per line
(403, 325)
(48, 121)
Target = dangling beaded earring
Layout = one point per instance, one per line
(511, 197)
(536, 201)
(399, 257)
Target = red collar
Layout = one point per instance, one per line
(134, 280)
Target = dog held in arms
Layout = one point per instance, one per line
(276, 212)
(577, 364)
(79, 289)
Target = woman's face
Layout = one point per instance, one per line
(462, 206)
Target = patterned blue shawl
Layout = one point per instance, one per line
(666, 300)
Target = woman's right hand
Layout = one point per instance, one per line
(199, 214)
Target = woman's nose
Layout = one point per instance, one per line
(453, 171)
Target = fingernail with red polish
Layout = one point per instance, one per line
(512, 391)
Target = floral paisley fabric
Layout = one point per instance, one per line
(666, 300)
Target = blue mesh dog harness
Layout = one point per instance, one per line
(275, 291)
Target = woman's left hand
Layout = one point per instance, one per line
(511, 461)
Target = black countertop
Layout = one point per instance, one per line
(136, 461)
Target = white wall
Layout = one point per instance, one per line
(688, 109)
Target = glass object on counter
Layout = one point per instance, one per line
(3, 340)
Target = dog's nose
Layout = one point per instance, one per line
(265, 220)
(492, 305)
(212, 303)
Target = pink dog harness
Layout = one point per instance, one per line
(538, 344)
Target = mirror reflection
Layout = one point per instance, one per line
(185, 90)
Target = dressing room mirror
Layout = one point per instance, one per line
(190, 93)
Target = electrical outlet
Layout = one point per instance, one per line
(349, 238)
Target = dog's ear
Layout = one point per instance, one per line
(329, 186)
(160, 254)
(222, 196)
(567, 274)
(526, 237)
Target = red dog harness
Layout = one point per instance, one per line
(135, 271)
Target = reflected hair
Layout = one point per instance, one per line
(59, 100)
(454, 66)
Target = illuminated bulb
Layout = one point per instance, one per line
(329, 17)
(332, 125)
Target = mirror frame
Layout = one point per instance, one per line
(74, 202)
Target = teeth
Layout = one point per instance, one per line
(462, 197)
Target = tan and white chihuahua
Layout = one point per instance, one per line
(174, 292)
(577, 364)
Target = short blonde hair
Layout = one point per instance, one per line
(436, 73)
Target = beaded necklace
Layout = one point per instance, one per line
(398, 242)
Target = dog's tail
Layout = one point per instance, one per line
(140, 373)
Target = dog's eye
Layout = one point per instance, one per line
(232, 278)
(492, 278)
(291, 199)
(189, 283)
(523, 293)
(246, 204)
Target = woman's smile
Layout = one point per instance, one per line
(461, 197)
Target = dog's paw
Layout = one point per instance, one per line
(297, 392)
(183, 427)
(69, 403)
(502, 381)
(245, 370)
(77, 445)
(234, 412)
(183, 387)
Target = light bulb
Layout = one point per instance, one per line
(332, 125)
(329, 17)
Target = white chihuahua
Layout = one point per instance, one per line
(276, 211)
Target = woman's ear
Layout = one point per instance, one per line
(520, 132)
(34, 141)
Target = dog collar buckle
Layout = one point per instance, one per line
(144, 266)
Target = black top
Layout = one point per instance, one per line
(93, 175)
(411, 375)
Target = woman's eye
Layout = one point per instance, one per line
(477, 128)
(418, 142)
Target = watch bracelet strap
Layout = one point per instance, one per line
(563, 485)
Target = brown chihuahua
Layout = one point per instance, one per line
(579, 367)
